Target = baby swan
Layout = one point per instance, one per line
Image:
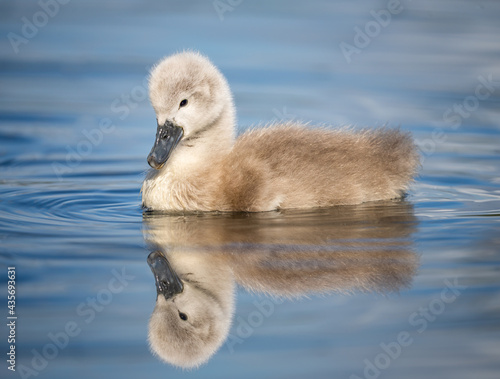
(197, 165)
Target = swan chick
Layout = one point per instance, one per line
(198, 165)
(193, 311)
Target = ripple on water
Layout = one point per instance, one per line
(41, 200)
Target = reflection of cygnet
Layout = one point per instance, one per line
(197, 164)
(363, 248)
(194, 307)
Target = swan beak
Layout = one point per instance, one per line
(167, 281)
(168, 136)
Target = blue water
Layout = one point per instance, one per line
(75, 130)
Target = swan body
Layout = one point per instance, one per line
(198, 165)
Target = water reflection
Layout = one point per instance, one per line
(197, 259)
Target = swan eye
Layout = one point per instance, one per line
(183, 103)
(183, 316)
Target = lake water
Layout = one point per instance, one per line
(394, 289)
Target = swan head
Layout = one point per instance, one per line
(191, 99)
(191, 318)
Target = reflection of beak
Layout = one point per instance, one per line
(167, 137)
(167, 282)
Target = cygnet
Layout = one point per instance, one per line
(199, 165)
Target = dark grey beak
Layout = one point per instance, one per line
(168, 136)
(167, 281)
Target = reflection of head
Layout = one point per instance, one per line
(193, 310)
(343, 249)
